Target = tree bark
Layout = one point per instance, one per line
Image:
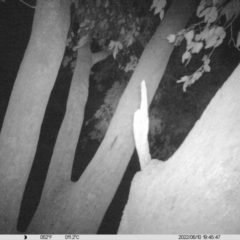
(58, 178)
(32, 88)
(58, 186)
(98, 184)
(197, 190)
(80, 208)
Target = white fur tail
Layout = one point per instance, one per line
(140, 129)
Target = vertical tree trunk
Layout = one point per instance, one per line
(64, 151)
(197, 189)
(32, 88)
(58, 179)
(98, 184)
(80, 207)
(58, 185)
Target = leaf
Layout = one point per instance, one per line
(106, 4)
(183, 79)
(158, 5)
(186, 84)
(179, 39)
(129, 39)
(215, 37)
(171, 38)
(197, 47)
(209, 33)
(207, 68)
(66, 60)
(82, 24)
(212, 15)
(204, 12)
(211, 42)
(122, 32)
(220, 32)
(132, 64)
(189, 36)
(186, 56)
(198, 37)
(200, 8)
(219, 42)
(204, 34)
(196, 76)
(82, 41)
(121, 21)
(161, 15)
(231, 9)
(205, 60)
(115, 46)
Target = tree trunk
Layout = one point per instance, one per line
(32, 88)
(98, 184)
(80, 207)
(58, 178)
(197, 189)
(58, 186)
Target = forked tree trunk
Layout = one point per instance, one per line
(198, 189)
(32, 88)
(80, 207)
(58, 179)
(59, 174)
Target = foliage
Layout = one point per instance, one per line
(114, 25)
(104, 114)
(158, 6)
(106, 22)
(209, 33)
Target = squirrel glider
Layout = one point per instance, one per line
(140, 129)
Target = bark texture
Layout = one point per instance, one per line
(197, 190)
(31, 91)
(58, 180)
(80, 207)
(98, 184)
(58, 186)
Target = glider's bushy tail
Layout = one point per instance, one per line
(140, 129)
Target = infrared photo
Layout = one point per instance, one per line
(119, 117)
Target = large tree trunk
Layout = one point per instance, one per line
(86, 201)
(32, 88)
(98, 184)
(198, 189)
(58, 179)
(58, 186)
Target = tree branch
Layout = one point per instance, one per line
(27, 4)
(99, 56)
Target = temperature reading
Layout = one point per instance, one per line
(45, 236)
(73, 236)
